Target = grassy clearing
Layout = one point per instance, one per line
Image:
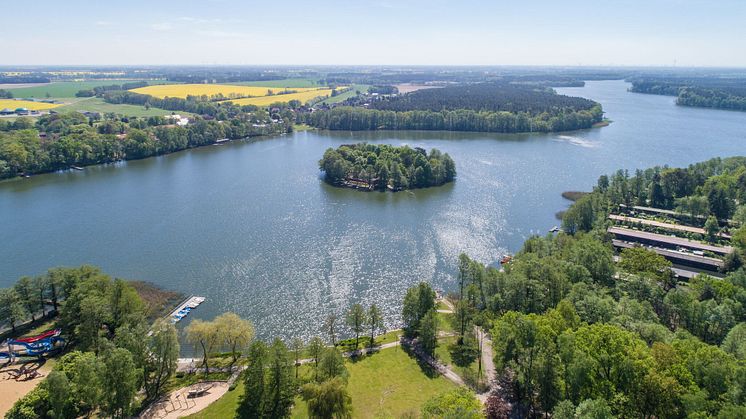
(184, 90)
(390, 382)
(67, 89)
(303, 97)
(34, 106)
(95, 104)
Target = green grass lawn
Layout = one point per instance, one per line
(389, 381)
(445, 322)
(68, 89)
(95, 104)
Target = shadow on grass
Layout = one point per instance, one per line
(426, 368)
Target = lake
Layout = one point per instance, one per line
(252, 227)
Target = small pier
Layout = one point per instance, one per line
(185, 308)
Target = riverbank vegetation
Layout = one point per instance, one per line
(385, 167)
(486, 107)
(728, 94)
(59, 141)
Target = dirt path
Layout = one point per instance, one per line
(12, 389)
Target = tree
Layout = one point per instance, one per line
(330, 327)
(315, 349)
(252, 403)
(418, 301)
(639, 260)
(25, 289)
(281, 386)
(593, 409)
(163, 352)
(86, 374)
(331, 365)
(498, 408)
(204, 336)
(375, 322)
(459, 403)
(296, 345)
(712, 228)
(356, 320)
(119, 382)
(40, 285)
(235, 332)
(12, 309)
(428, 332)
(328, 400)
(58, 387)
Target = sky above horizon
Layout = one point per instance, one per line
(390, 32)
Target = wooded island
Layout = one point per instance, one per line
(385, 167)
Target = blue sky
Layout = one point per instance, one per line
(417, 32)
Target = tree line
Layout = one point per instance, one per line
(74, 139)
(100, 90)
(385, 167)
(719, 94)
(362, 119)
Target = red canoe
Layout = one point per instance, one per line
(47, 334)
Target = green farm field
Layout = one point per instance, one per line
(67, 89)
(95, 104)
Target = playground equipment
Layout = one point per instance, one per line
(33, 345)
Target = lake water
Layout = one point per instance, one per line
(251, 226)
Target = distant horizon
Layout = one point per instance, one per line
(5, 67)
(657, 33)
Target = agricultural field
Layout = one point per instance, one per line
(304, 97)
(30, 105)
(184, 90)
(288, 83)
(95, 104)
(65, 89)
(348, 94)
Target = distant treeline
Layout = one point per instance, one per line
(485, 107)
(202, 107)
(75, 140)
(100, 90)
(485, 97)
(703, 93)
(23, 79)
(387, 167)
(361, 119)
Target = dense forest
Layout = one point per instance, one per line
(58, 141)
(383, 167)
(481, 107)
(701, 92)
(491, 97)
(578, 335)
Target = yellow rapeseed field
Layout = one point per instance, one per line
(30, 105)
(184, 90)
(268, 100)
